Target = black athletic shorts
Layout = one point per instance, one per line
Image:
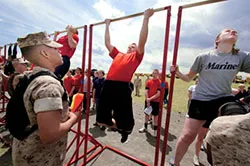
(155, 107)
(207, 110)
(116, 102)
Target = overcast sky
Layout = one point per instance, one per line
(200, 25)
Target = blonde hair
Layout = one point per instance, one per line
(234, 50)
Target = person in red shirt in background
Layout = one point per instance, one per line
(69, 43)
(116, 93)
(68, 83)
(165, 97)
(152, 98)
(85, 88)
(77, 79)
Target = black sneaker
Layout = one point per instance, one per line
(102, 128)
(114, 129)
(95, 124)
(124, 137)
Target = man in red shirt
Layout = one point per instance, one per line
(69, 43)
(116, 92)
(77, 79)
(68, 83)
(152, 98)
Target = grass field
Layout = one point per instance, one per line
(180, 96)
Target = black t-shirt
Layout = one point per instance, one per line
(98, 84)
(247, 99)
(241, 95)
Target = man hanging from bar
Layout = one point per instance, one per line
(69, 43)
(116, 92)
(8, 67)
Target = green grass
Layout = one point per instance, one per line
(180, 96)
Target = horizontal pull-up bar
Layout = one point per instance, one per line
(201, 3)
(10, 44)
(130, 16)
(80, 27)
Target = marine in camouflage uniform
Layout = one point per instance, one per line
(46, 94)
(138, 84)
(229, 140)
(43, 99)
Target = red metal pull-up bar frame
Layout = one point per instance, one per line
(168, 8)
(79, 136)
(175, 54)
(85, 137)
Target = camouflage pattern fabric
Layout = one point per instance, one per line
(43, 94)
(229, 138)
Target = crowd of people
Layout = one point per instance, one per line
(47, 107)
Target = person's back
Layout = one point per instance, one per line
(116, 93)
(229, 140)
(69, 42)
(46, 91)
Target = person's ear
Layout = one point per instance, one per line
(44, 53)
(217, 40)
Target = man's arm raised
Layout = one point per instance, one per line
(107, 36)
(144, 30)
(71, 41)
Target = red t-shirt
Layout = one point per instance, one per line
(1, 59)
(123, 65)
(68, 83)
(153, 86)
(166, 85)
(65, 49)
(77, 81)
(32, 67)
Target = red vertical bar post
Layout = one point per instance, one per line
(171, 89)
(83, 56)
(81, 89)
(163, 73)
(88, 93)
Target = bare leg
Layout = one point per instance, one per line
(150, 116)
(155, 120)
(199, 141)
(189, 132)
(146, 118)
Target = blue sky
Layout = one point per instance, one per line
(200, 25)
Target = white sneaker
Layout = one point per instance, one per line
(202, 147)
(171, 162)
(143, 130)
(196, 161)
